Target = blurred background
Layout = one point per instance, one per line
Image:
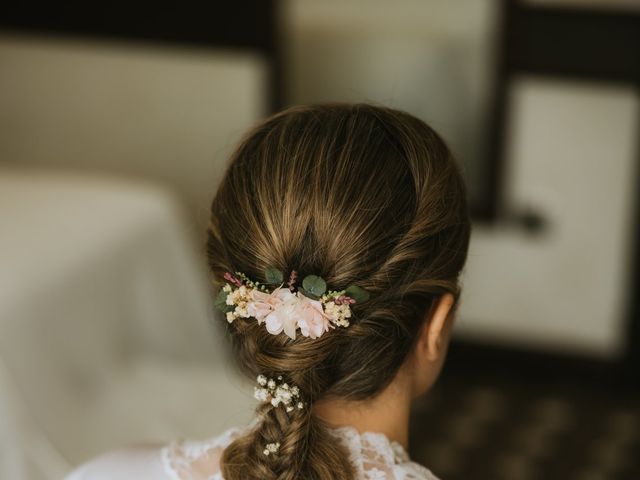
(115, 129)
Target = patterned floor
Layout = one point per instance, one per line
(509, 428)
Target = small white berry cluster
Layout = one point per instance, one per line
(275, 392)
(271, 448)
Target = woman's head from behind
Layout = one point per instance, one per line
(357, 194)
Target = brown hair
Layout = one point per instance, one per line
(354, 193)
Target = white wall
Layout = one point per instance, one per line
(165, 114)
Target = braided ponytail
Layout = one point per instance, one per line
(354, 193)
(306, 449)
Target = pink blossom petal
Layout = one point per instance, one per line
(259, 310)
(274, 323)
(312, 320)
(290, 326)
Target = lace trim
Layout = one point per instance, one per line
(394, 452)
(168, 465)
(373, 455)
(179, 455)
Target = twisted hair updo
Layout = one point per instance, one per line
(355, 193)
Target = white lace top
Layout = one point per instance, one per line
(373, 456)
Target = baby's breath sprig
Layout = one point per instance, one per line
(276, 392)
(251, 283)
(270, 448)
(337, 307)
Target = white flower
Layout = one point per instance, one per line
(271, 448)
(312, 320)
(241, 310)
(261, 394)
(270, 391)
(284, 316)
(283, 395)
(339, 314)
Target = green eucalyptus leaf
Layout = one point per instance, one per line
(307, 293)
(221, 302)
(357, 293)
(314, 284)
(273, 276)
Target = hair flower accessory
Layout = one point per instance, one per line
(271, 448)
(278, 392)
(309, 307)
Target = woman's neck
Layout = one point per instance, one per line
(388, 413)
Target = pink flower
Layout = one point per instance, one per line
(262, 304)
(277, 309)
(282, 310)
(312, 320)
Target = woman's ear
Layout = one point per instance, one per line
(436, 334)
(432, 343)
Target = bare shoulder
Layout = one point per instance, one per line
(133, 463)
